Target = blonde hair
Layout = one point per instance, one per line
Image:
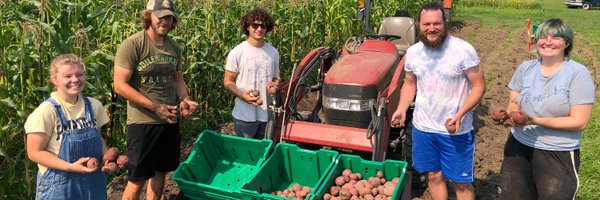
(64, 59)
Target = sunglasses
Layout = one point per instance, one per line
(255, 26)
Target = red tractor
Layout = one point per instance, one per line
(355, 93)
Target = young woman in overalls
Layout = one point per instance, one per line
(63, 134)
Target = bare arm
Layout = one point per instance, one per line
(122, 87)
(121, 83)
(36, 151)
(407, 95)
(273, 86)
(477, 80)
(512, 101)
(229, 84)
(475, 76)
(577, 120)
(188, 106)
(180, 86)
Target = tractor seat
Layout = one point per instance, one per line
(403, 27)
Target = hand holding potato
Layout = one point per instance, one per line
(450, 126)
(110, 168)
(81, 166)
(166, 112)
(272, 88)
(499, 116)
(519, 118)
(187, 107)
(110, 155)
(92, 163)
(251, 96)
(398, 119)
(122, 161)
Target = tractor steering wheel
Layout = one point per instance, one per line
(387, 37)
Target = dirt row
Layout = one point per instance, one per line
(501, 50)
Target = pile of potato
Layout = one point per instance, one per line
(351, 186)
(112, 161)
(295, 191)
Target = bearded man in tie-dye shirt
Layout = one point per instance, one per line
(445, 78)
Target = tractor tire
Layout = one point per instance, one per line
(586, 6)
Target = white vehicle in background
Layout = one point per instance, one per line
(585, 4)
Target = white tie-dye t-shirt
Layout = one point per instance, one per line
(442, 86)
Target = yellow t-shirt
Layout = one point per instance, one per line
(45, 120)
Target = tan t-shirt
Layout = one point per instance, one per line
(154, 67)
(45, 120)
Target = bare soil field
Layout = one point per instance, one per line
(501, 50)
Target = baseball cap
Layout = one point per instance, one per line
(161, 8)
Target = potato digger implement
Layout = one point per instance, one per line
(356, 92)
(353, 94)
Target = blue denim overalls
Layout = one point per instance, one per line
(77, 142)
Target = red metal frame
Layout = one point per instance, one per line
(334, 135)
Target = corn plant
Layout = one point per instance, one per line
(33, 32)
(517, 4)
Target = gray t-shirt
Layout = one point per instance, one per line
(550, 96)
(255, 67)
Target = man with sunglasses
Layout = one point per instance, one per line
(252, 75)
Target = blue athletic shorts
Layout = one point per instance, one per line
(452, 154)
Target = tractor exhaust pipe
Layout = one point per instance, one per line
(364, 14)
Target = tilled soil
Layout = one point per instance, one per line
(501, 50)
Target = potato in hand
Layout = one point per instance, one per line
(499, 116)
(110, 168)
(122, 161)
(92, 163)
(519, 118)
(450, 127)
(111, 155)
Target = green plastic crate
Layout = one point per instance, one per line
(219, 165)
(367, 168)
(287, 166)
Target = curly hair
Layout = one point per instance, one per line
(257, 14)
(147, 20)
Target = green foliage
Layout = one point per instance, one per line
(32, 33)
(518, 4)
(590, 159)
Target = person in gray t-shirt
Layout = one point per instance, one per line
(541, 157)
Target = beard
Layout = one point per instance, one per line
(434, 44)
(161, 31)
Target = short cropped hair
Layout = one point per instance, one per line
(555, 27)
(257, 14)
(432, 6)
